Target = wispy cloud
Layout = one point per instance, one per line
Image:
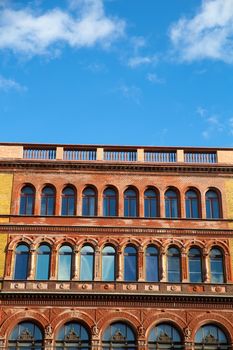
(213, 124)
(10, 84)
(137, 61)
(153, 78)
(131, 92)
(207, 35)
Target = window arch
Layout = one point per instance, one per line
(130, 263)
(119, 336)
(68, 201)
(48, 201)
(26, 335)
(110, 202)
(152, 264)
(172, 209)
(216, 266)
(211, 337)
(21, 262)
(65, 262)
(212, 204)
(164, 336)
(27, 200)
(87, 263)
(130, 202)
(173, 265)
(43, 262)
(73, 335)
(108, 263)
(89, 204)
(151, 203)
(192, 204)
(195, 265)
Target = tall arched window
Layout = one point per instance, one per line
(195, 265)
(65, 263)
(73, 335)
(87, 263)
(211, 337)
(89, 202)
(21, 262)
(43, 262)
(171, 204)
(130, 264)
(173, 265)
(212, 205)
(119, 336)
(68, 201)
(192, 205)
(108, 263)
(27, 201)
(110, 202)
(26, 335)
(151, 204)
(48, 201)
(152, 264)
(164, 336)
(216, 266)
(130, 203)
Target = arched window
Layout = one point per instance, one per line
(110, 202)
(195, 265)
(43, 262)
(211, 337)
(87, 263)
(171, 204)
(130, 263)
(130, 203)
(119, 336)
(173, 265)
(48, 201)
(108, 263)
(71, 336)
(151, 204)
(89, 202)
(216, 266)
(27, 201)
(152, 264)
(164, 336)
(21, 262)
(68, 201)
(192, 205)
(212, 205)
(65, 263)
(26, 335)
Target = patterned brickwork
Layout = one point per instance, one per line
(5, 193)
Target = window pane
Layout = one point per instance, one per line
(130, 203)
(164, 336)
(65, 263)
(27, 201)
(21, 262)
(48, 201)
(173, 265)
(43, 262)
(108, 264)
(152, 266)
(73, 336)
(109, 203)
(26, 335)
(191, 203)
(119, 336)
(216, 266)
(89, 202)
(87, 264)
(68, 201)
(150, 204)
(212, 205)
(130, 264)
(171, 204)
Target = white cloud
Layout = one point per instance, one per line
(131, 92)
(209, 34)
(212, 123)
(10, 84)
(153, 78)
(137, 61)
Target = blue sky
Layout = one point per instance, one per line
(127, 72)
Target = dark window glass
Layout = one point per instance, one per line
(27, 201)
(48, 201)
(212, 205)
(87, 264)
(108, 264)
(21, 262)
(171, 204)
(65, 263)
(73, 336)
(173, 265)
(130, 203)
(195, 266)
(26, 335)
(152, 264)
(89, 202)
(119, 336)
(216, 266)
(192, 205)
(211, 337)
(68, 201)
(110, 202)
(164, 336)
(130, 264)
(150, 204)
(43, 262)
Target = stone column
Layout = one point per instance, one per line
(188, 345)
(37, 201)
(32, 263)
(141, 338)
(184, 267)
(97, 276)
(120, 258)
(48, 337)
(76, 269)
(9, 264)
(141, 274)
(206, 268)
(163, 265)
(53, 268)
(95, 342)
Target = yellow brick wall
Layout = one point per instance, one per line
(3, 243)
(229, 206)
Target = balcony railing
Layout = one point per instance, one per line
(120, 156)
(39, 153)
(160, 157)
(200, 157)
(79, 154)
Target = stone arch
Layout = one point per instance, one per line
(194, 243)
(65, 240)
(152, 241)
(109, 241)
(19, 240)
(75, 316)
(87, 241)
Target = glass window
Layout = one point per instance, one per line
(73, 336)
(27, 201)
(130, 203)
(110, 202)
(216, 266)
(192, 205)
(26, 335)
(212, 205)
(48, 201)
(195, 266)
(173, 265)
(21, 262)
(164, 336)
(108, 263)
(119, 336)
(68, 201)
(150, 204)
(65, 263)
(43, 262)
(171, 204)
(87, 263)
(211, 337)
(130, 264)
(152, 264)
(89, 202)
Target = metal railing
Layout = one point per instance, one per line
(79, 154)
(200, 157)
(160, 157)
(122, 156)
(39, 153)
